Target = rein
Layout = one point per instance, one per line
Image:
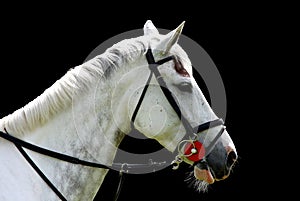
(122, 167)
(125, 167)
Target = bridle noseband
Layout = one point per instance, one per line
(191, 136)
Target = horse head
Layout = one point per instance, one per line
(186, 123)
(144, 83)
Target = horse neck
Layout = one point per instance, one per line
(85, 130)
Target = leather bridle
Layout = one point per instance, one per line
(191, 132)
(191, 136)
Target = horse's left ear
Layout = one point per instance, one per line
(170, 39)
(149, 28)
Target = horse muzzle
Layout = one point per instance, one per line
(216, 166)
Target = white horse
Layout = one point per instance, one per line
(87, 113)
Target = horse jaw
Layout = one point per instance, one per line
(153, 111)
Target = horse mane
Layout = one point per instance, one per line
(75, 82)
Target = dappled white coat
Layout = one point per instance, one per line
(86, 113)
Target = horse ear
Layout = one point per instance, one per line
(149, 28)
(170, 39)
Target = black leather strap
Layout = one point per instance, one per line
(209, 148)
(207, 125)
(123, 168)
(154, 70)
(153, 66)
(140, 100)
(19, 143)
(63, 157)
(50, 153)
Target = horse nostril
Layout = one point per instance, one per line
(231, 158)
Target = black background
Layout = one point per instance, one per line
(39, 45)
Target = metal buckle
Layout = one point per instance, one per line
(176, 162)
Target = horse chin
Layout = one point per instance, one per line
(198, 185)
(204, 175)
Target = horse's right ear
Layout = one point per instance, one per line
(149, 28)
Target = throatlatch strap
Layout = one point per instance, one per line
(141, 100)
(153, 67)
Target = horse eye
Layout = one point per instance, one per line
(185, 86)
(180, 69)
